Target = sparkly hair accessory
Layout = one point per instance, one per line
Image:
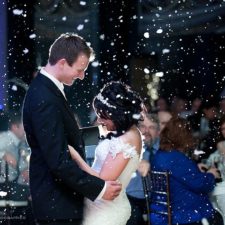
(104, 101)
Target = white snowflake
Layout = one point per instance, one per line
(17, 12)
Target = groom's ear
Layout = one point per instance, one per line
(62, 62)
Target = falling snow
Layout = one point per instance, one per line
(80, 27)
(175, 51)
(17, 12)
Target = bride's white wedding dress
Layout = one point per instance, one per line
(116, 212)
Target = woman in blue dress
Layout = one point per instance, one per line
(189, 187)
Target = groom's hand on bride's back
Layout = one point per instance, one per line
(113, 189)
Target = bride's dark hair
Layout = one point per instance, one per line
(117, 102)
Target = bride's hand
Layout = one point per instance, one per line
(74, 154)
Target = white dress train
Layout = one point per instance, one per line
(118, 211)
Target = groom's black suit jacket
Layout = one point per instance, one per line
(57, 184)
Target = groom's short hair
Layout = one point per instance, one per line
(69, 46)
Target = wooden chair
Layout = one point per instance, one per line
(157, 192)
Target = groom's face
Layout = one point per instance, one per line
(76, 71)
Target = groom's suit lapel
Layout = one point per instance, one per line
(54, 89)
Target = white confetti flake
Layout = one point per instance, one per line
(165, 51)
(14, 88)
(32, 36)
(102, 37)
(64, 18)
(83, 3)
(3, 193)
(136, 116)
(25, 51)
(95, 63)
(80, 27)
(17, 12)
(146, 35)
(147, 71)
(159, 74)
(159, 31)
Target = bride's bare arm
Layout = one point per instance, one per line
(111, 169)
(82, 164)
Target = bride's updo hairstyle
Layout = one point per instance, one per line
(117, 102)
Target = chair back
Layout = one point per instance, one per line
(157, 195)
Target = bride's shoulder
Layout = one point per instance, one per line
(133, 138)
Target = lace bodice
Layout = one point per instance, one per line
(114, 146)
(117, 211)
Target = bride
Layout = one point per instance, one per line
(117, 156)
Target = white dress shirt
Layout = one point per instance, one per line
(58, 84)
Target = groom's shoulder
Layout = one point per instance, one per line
(35, 82)
(38, 84)
(37, 92)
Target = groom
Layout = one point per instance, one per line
(58, 186)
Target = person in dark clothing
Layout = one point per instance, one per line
(58, 186)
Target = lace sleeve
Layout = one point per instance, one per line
(117, 146)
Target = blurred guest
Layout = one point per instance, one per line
(222, 106)
(3, 121)
(194, 107)
(161, 104)
(9, 143)
(209, 127)
(217, 159)
(164, 117)
(205, 126)
(178, 106)
(14, 173)
(189, 187)
(23, 163)
(149, 128)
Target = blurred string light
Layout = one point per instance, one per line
(159, 74)
(152, 84)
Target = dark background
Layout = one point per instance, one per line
(125, 36)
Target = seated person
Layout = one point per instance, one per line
(189, 187)
(217, 159)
